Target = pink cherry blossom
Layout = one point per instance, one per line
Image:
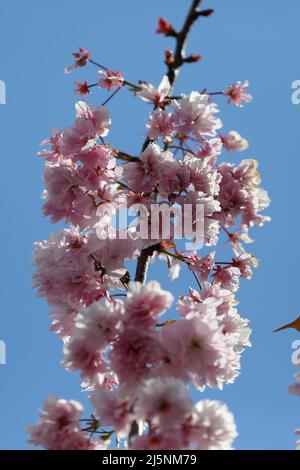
(113, 407)
(82, 89)
(196, 115)
(156, 96)
(91, 123)
(63, 318)
(240, 194)
(194, 349)
(246, 173)
(228, 277)
(210, 148)
(54, 153)
(197, 199)
(96, 167)
(211, 299)
(244, 262)
(109, 79)
(226, 299)
(174, 175)
(73, 189)
(80, 355)
(233, 196)
(74, 270)
(59, 427)
(238, 237)
(161, 124)
(237, 93)
(209, 425)
(98, 323)
(233, 142)
(66, 270)
(66, 195)
(145, 303)
(164, 402)
(203, 176)
(213, 426)
(81, 59)
(133, 356)
(109, 254)
(202, 265)
(144, 174)
(195, 304)
(236, 330)
(258, 202)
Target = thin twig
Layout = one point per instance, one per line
(197, 280)
(111, 96)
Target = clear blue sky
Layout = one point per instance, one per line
(252, 40)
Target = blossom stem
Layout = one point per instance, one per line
(178, 257)
(197, 280)
(210, 93)
(98, 65)
(185, 149)
(111, 96)
(178, 97)
(164, 323)
(125, 157)
(126, 82)
(123, 185)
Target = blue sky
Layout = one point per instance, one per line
(242, 40)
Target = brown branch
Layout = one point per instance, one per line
(143, 262)
(181, 39)
(173, 70)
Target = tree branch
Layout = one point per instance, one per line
(173, 70)
(143, 263)
(181, 39)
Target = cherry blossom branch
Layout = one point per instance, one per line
(143, 262)
(130, 359)
(125, 156)
(197, 280)
(181, 39)
(173, 70)
(180, 147)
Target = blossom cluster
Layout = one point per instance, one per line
(136, 356)
(59, 426)
(175, 422)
